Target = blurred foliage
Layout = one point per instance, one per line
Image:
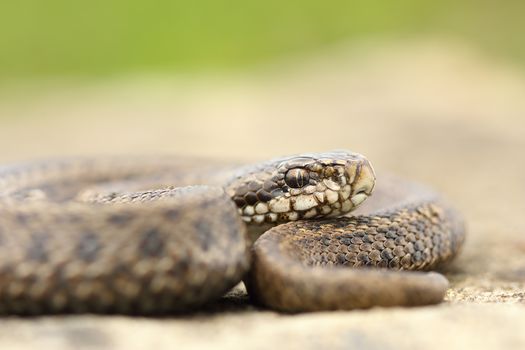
(100, 37)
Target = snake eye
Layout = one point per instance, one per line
(297, 178)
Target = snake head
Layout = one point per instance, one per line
(302, 187)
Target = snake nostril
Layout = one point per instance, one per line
(364, 188)
(361, 191)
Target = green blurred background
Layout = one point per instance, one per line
(102, 38)
(211, 77)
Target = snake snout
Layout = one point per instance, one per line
(364, 182)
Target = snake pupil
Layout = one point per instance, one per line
(297, 178)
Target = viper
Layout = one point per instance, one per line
(149, 235)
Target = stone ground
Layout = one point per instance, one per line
(434, 112)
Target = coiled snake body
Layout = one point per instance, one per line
(115, 235)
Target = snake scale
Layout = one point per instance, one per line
(143, 235)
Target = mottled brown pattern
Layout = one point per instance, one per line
(297, 267)
(73, 241)
(157, 262)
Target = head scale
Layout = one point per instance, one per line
(302, 187)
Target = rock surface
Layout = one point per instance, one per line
(431, 112)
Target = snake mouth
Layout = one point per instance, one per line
(363, 184)
(359, 198)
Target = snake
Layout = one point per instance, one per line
(169, 234)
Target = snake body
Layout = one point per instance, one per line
(125, 235)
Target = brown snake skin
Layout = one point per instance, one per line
(114, 235)
(391, 230)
